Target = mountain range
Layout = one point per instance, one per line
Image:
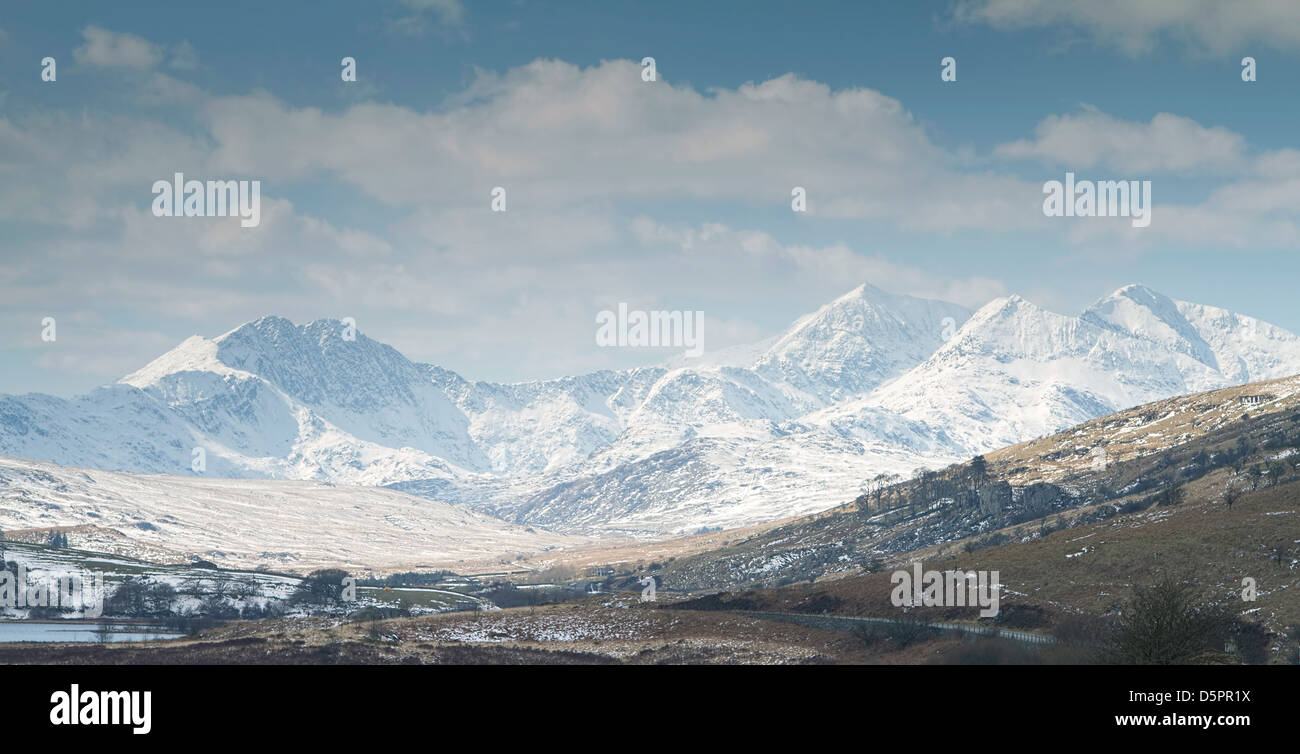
(871, 383)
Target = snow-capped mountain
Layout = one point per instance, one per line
(872, 382)
(1235, 347)
(858, 341)
(1015, 371)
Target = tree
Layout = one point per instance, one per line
(214, 606)
(324, 587)
(1166, 624)
(978, 468)
(1243, 451)
(159, 597)
(1280, 552)
(918, 491)
(129, 598)
(1231, 494)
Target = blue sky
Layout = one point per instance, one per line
(668, 195)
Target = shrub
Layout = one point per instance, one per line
(1172, 496)
(1166, 624)
(902, 633)
(324, 587)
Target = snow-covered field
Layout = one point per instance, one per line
(245, 523)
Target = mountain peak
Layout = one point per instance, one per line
(1005, 307)
(194, 354)
(1144, 313)
(1141, 295)
(865, 291)
(858, 341)
(270, 325)
(1133, 290)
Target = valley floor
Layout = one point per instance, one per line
(615, 630)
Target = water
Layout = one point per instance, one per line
(22, 630)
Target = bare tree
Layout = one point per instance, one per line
(1166, 624)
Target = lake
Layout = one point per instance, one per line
(22, 630)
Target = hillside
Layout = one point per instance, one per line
(1202, 444)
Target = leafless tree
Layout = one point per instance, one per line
(1166, 624)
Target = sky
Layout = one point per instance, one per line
(671, 194)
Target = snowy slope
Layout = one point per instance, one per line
(254, 523)
(1237, 347)
(1015, 371)
(857, 342)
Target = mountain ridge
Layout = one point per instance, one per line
(872, 382)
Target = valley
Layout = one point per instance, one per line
(1073, 542)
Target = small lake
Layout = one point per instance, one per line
(23, 630)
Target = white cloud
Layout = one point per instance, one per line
(448, 11)
(162, 88)
(184, 57)
(80, 168)
(1136, 27)
(755, 262)
(554, 134)
(1168, 143)
(1256, 207)
(538, 316)
(113, 49)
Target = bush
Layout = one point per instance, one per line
(158, 598)
(367, 614)
(1136, 506)
(254, 611)
(903, 633)
(508, 595)
(1021, 616)
(1166, 624)
(1172, 496)
(324, 587)
(218, 607)
(819, 603)
(1252, 642)
(130, 598)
